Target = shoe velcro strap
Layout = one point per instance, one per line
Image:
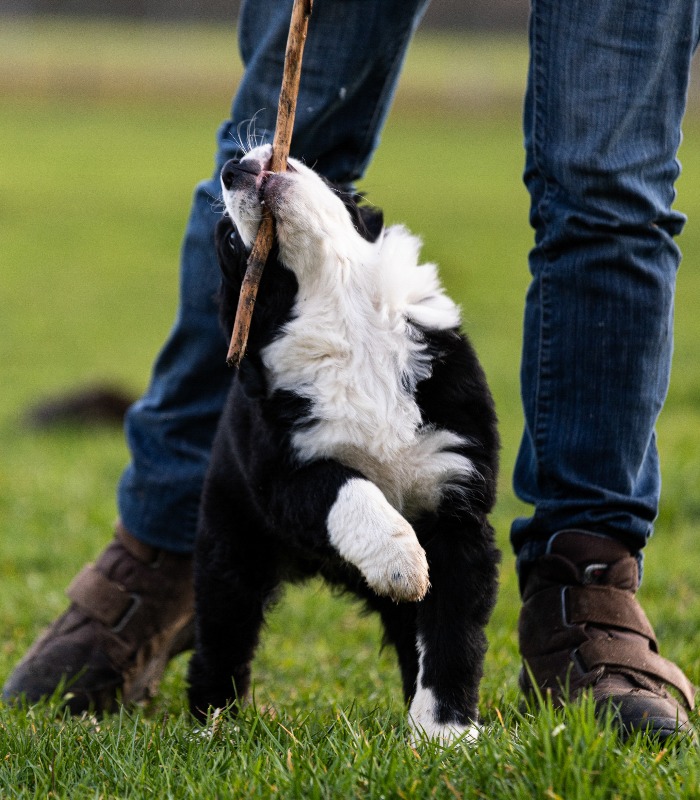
(633, 657)
(561, 607)
(605, 606)
(102, 599)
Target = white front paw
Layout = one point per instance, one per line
(369, 533)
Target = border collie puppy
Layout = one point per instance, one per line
(358, 442)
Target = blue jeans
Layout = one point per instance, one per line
(606, 95)
(352, 59)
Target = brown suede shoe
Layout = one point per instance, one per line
(131, 612)
(581, 627)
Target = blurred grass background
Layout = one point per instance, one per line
(104, 130)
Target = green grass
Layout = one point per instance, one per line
(94, 193)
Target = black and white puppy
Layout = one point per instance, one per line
(358, 442)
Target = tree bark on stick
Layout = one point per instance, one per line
(286, 110)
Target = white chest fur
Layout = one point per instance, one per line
(351, 349)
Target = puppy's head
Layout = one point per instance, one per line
(311, 216)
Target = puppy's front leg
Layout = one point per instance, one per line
(326, 499)
(370, 533)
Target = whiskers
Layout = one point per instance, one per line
(216, 204)
(252, 138)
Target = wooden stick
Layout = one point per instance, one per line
(280, 151)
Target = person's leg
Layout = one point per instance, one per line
(606, 95)
(103, 646)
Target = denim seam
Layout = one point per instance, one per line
(540, 411)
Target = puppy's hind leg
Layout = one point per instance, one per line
(450, 631)
(399, 621)
(236, 576)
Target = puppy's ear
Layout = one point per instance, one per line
(373, 221)
(230, 251)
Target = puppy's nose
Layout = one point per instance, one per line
(234, 168)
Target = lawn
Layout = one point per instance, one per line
(97, 165)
